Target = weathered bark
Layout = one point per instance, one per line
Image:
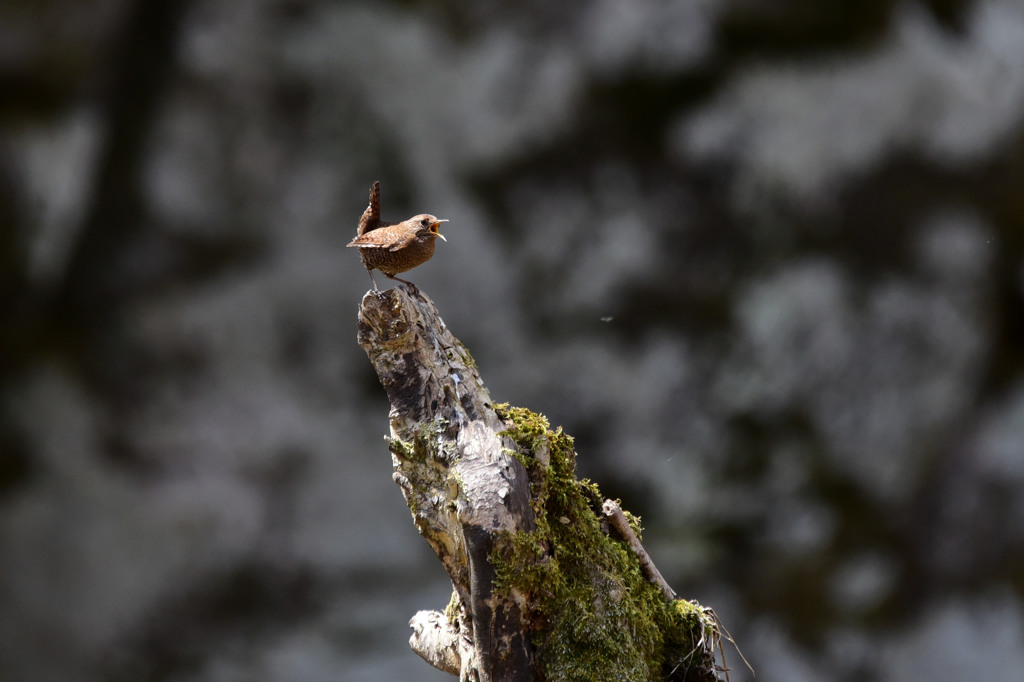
(486, 498)
(455, 470)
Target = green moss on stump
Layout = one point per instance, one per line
(595, 616)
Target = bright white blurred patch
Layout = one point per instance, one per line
(655, 35)
(955, 247)
(968, 640)
(862, 582)
(872, 372)
(1000, 448)
(800, 130)
(58, 166)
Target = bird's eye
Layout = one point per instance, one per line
(424, 222)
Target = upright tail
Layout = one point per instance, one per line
(371, 216)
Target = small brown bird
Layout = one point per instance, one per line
(393, 248)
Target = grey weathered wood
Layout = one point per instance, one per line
(456, 474)
(470, 497)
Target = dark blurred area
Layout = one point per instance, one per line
(765, 261)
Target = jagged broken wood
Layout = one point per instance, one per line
(544, 586)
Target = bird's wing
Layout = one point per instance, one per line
(401, 240)
(392, 240)
(366, 242)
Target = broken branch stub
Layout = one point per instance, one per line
(464, 488)
(548, 585)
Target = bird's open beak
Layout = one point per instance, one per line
(434, 228)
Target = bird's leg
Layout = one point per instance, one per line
(413, 289)
(369, 271)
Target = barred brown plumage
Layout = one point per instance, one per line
(394, 247)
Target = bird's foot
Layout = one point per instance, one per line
(409, 286)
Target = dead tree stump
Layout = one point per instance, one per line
(549, 583)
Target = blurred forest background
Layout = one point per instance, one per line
(764, 260)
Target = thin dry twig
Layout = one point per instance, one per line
(620, 523)
(722, 629)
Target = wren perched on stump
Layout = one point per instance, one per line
(394, 247)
